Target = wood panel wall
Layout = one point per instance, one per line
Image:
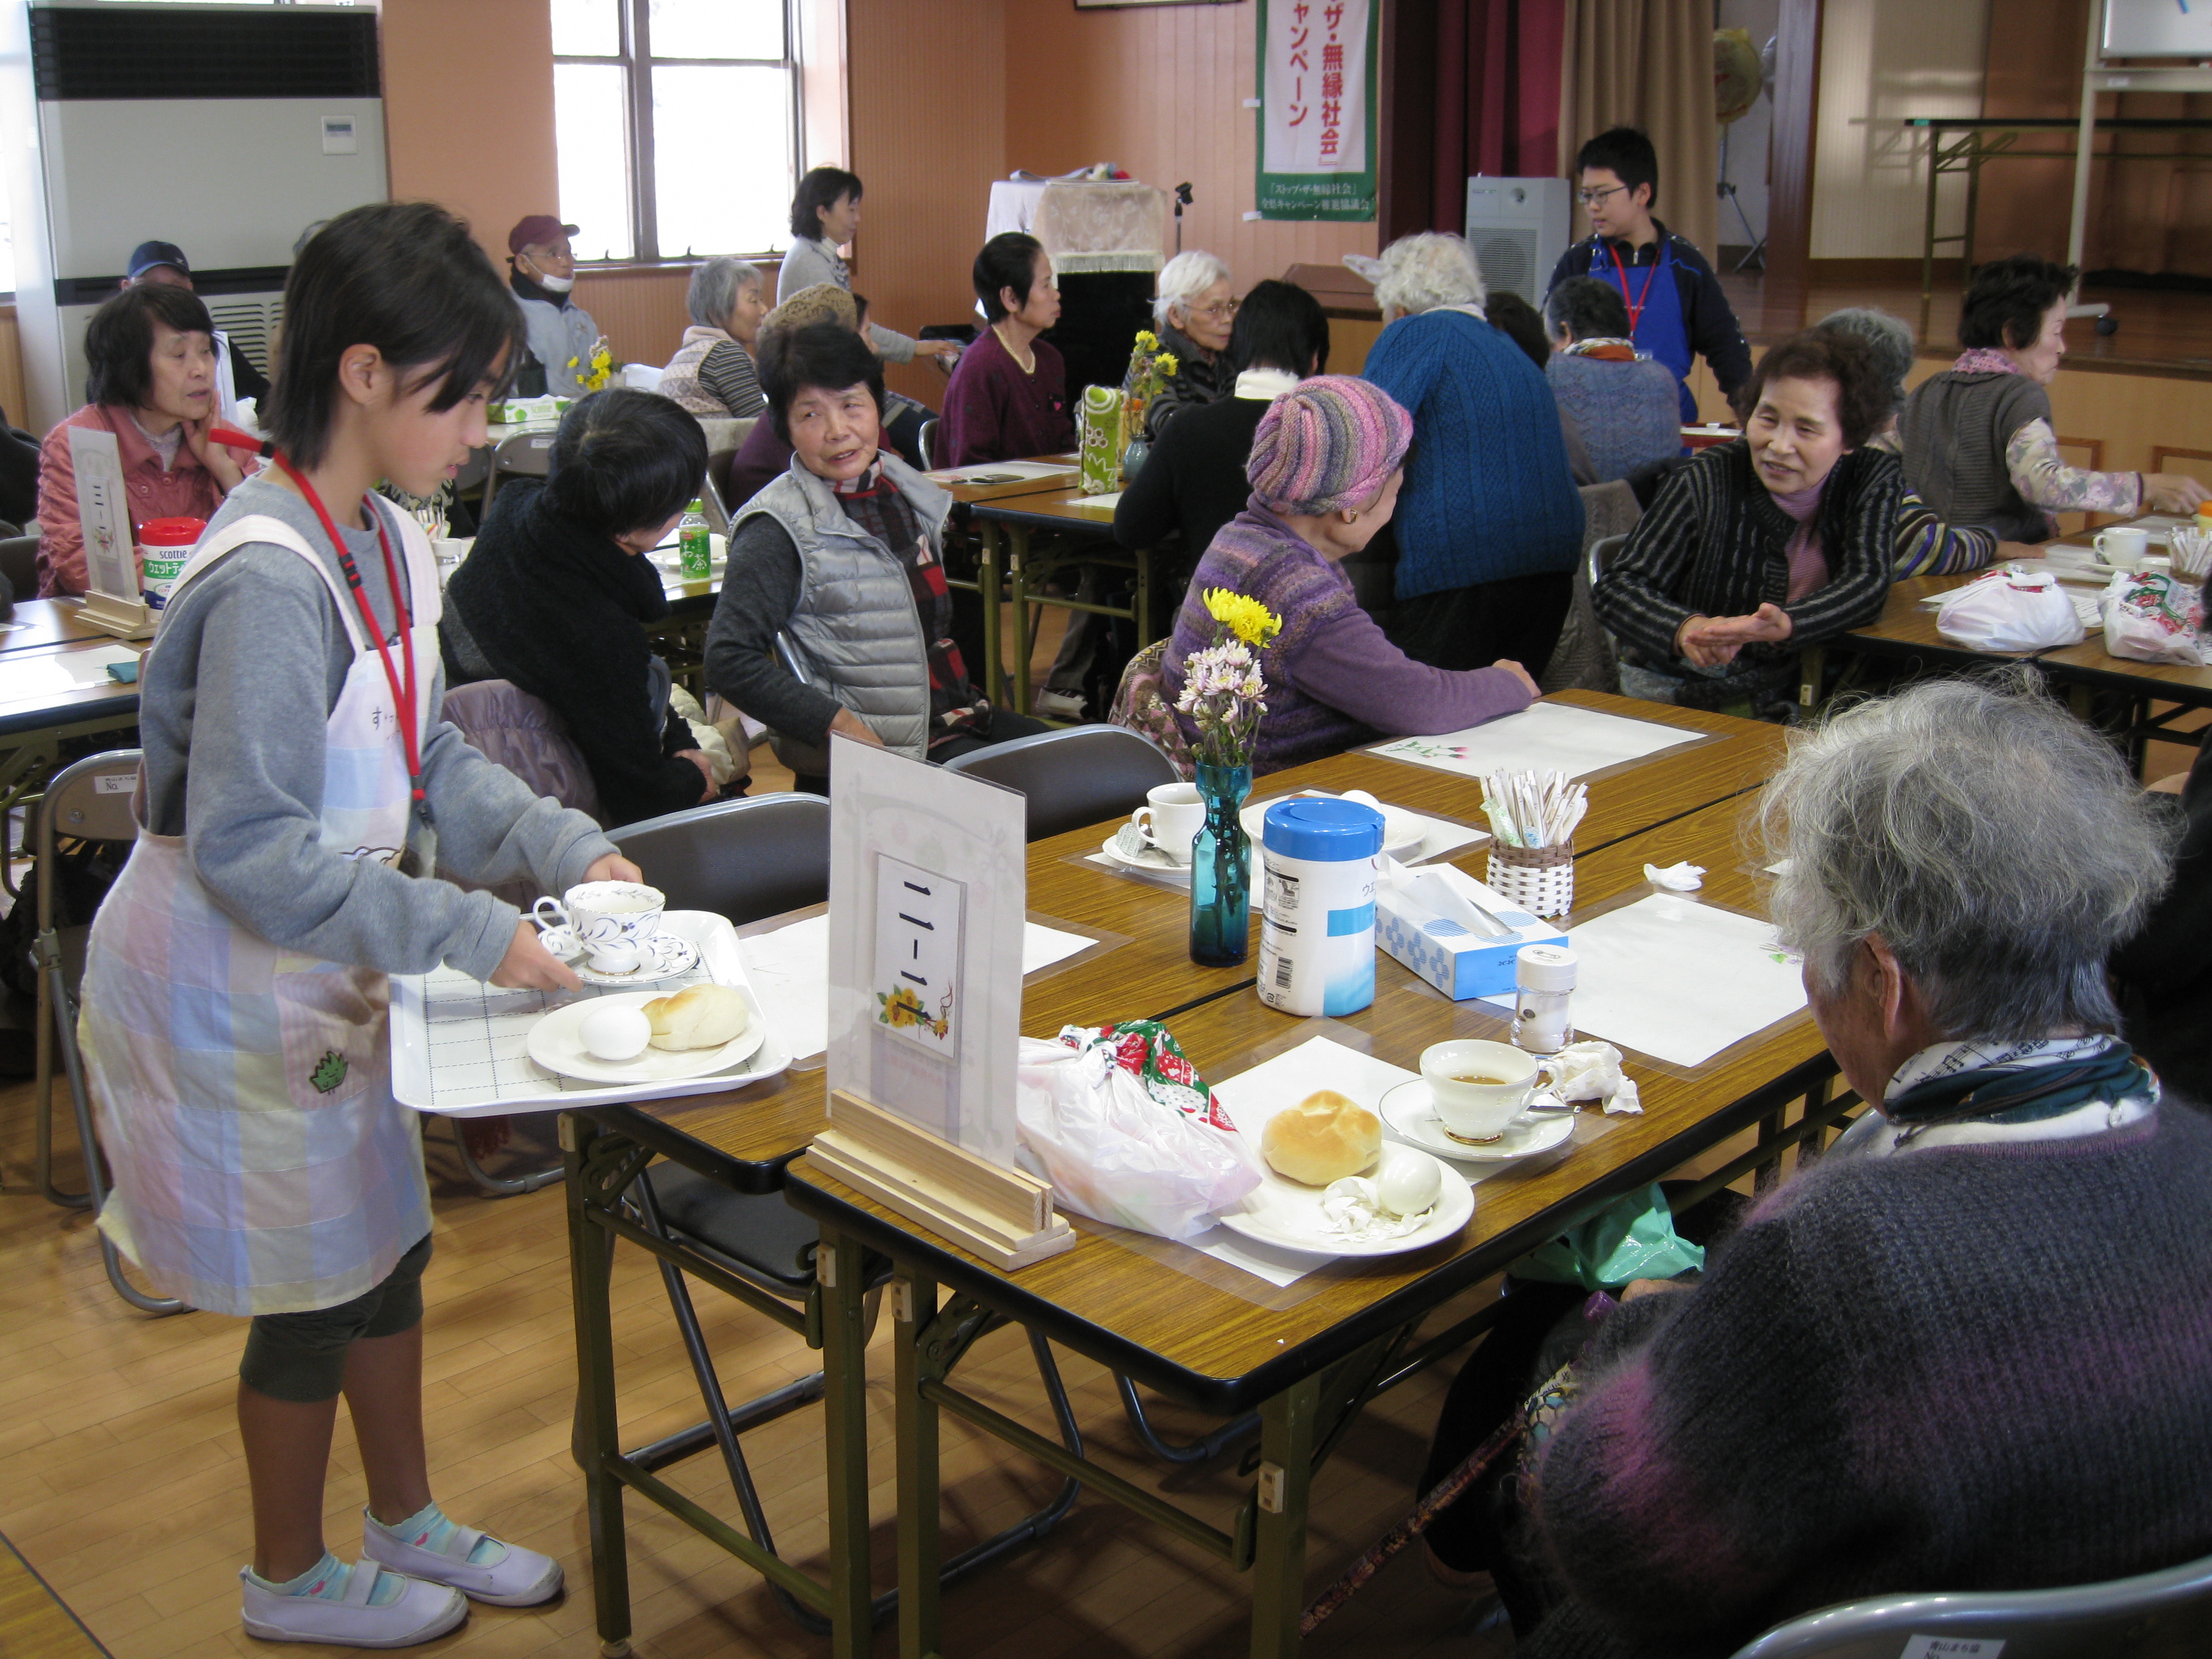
(640, 312)
(1161, 90)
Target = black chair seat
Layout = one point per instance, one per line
(757, 1237)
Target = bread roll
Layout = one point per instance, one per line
(1323, 1137)
(697, 1017)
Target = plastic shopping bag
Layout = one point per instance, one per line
(1634, 1239)
(2010, 610)
(1118, 1120)
(2153, 616)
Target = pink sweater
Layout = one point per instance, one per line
(187, 490)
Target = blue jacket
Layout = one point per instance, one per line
(1488, 495)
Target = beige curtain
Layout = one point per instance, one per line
(1647, 63)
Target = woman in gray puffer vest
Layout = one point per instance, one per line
(842, 556)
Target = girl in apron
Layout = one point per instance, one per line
(297, 784)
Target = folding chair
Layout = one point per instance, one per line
(526, 455)
(1077, 776)
(88, 801)
(2150, 1616)
(746, 859)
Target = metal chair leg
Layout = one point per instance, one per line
(53, 1001)
(1198, 1451)
(494, 1186)
(96, 1196)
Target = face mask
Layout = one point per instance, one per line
(550, 284)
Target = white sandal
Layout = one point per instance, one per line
(422, 1612)
(516, 1578)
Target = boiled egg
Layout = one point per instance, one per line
(1407, 1183)
(614, 1033)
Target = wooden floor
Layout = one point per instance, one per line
(121, 1479)
(33, 1622)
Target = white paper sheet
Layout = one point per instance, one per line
(790, 973)
(1544, 737)
(1105, 503)
(1445, 836)
(954, 475)
(1252, 1097)
(26, 679)
(1678, 980)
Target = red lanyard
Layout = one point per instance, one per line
(1621, 275)
(403, 693)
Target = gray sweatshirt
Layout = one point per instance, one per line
(810, 261)
(233, 705)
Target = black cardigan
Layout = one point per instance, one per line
(2164, 972)
(561, 612)
(1715, 544)
(1194, 480)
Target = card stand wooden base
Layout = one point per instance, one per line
(1004, 1216)
(127, 619)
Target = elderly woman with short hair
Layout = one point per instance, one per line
(1623, 401)
(1489, 525)
(1978, 440)
(1193, 311)
(1967, 1350)
(712, 373)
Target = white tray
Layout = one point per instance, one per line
(459, 1045)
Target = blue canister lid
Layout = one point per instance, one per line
(1311, 827)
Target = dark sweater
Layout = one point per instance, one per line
(1715, 544)
(761, 589)
(2166, 970)
(1333, 681)
(996, 410)
(1194, 480)
(561, 613)
(1964, 1367)
(1955, 429)
(760, 461)
(1707, 317)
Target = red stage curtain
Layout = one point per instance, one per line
(1498, 85)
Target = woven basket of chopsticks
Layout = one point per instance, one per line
(1539, 880)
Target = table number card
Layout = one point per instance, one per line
(928, 888)
(112, 601)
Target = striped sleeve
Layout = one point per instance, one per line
(727, 373)
(1635, 598)
(1926, 546)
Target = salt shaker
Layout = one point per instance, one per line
(1543, 986)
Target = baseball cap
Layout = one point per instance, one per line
(540, 228)
(147, 255)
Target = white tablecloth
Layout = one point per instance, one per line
(1116, 225)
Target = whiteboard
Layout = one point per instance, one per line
(2158, 29)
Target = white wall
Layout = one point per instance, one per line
(1748, 139)
(1882, 60)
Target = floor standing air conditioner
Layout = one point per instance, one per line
(225, 130)
(1518, 229)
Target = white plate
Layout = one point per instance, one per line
(1151, 858)
(1404, 833)
(1287, 1215)
(1407, 1110)
(556, 1043)
(670, 956)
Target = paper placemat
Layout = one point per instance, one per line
(1678, 980)
(998, 469)
(790, 973)
(24, 679)
(1545, 737)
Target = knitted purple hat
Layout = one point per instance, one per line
(1327, 444)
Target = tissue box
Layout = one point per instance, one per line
(1458, 963)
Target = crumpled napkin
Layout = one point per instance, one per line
(1679, 877)
(1591, 1071)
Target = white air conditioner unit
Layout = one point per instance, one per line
(1518, 229)
(225, 130)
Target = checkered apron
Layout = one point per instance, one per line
(244, 1091)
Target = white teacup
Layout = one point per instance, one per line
(2124, 547)
(1170, 818)
(1477, 1088)
(613, 920)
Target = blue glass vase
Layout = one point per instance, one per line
(1221, 870)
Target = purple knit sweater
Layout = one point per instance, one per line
(1954, 1369)
(1334, 682)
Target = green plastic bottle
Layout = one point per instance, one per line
(694, 544)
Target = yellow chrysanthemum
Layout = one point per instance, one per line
(1242, 616)
(1164, 364)
(1146, 340)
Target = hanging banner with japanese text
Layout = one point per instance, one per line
(1317, 109)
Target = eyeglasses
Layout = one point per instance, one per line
(1590, 198)
(1220, 313)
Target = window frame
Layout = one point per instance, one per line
(634, 57)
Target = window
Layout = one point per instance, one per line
(676, 125)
